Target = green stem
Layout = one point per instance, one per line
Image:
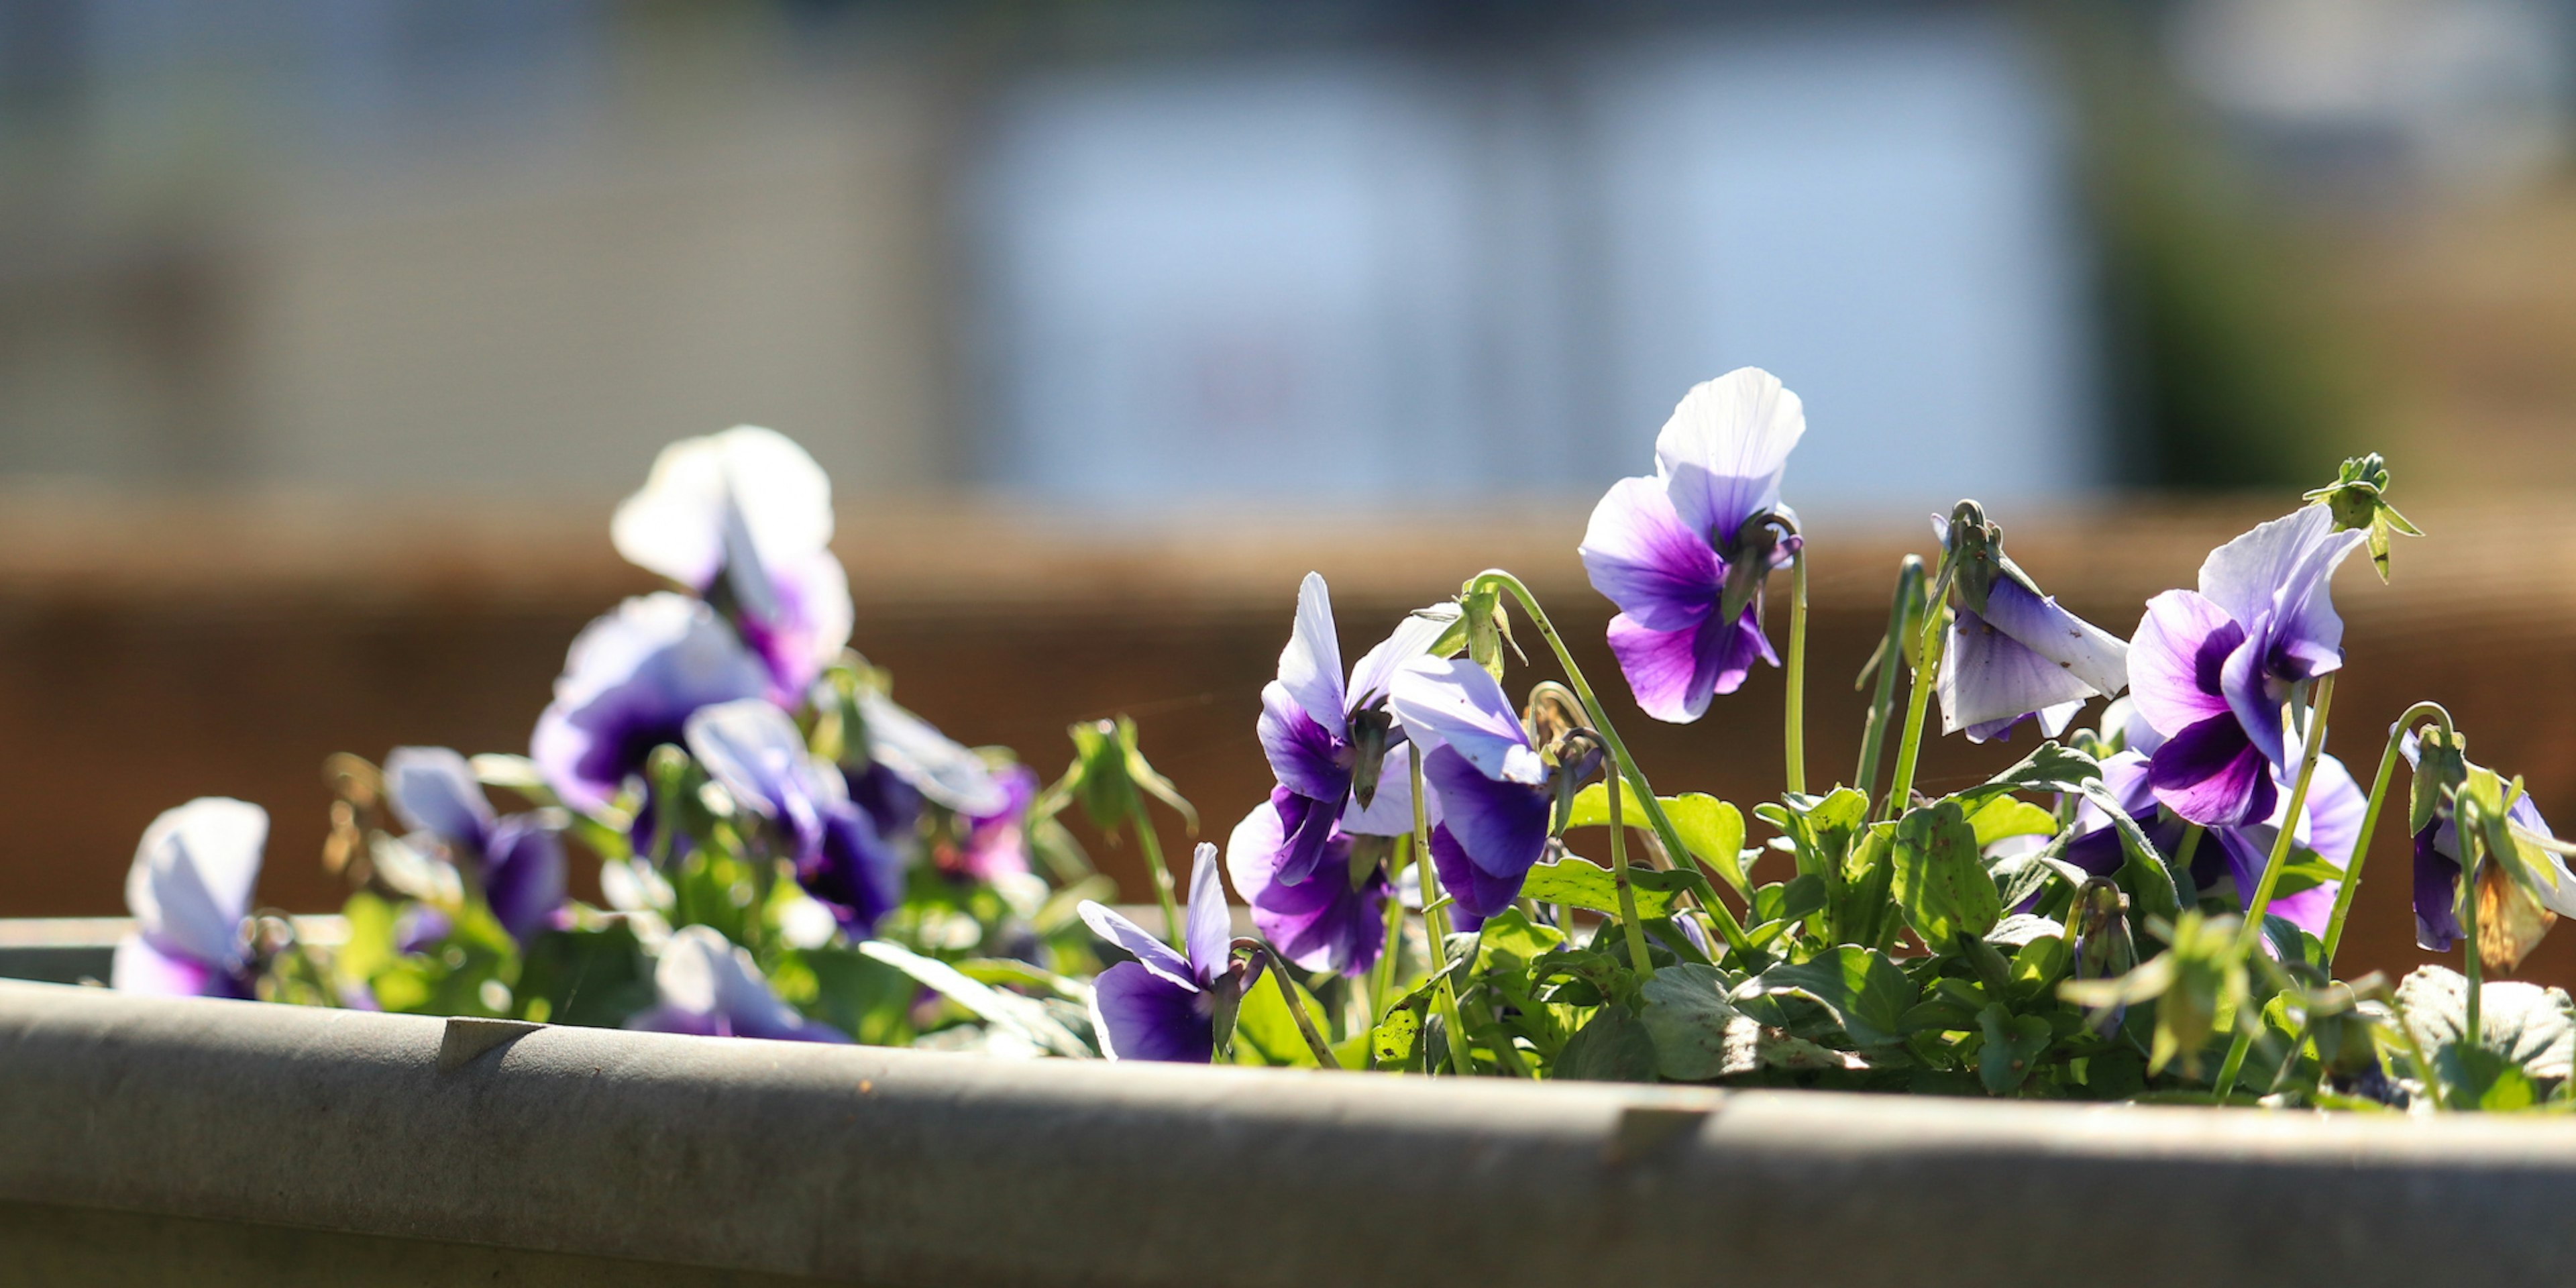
(1728, 927)
(2262, 901)
(2187, 847)
(1143, 825)
(2472, 841)
(1636, 934)
(1323, 1051)
(1382, 975)
(1873, 738)
(2370, 819)
(1435, 926)
(1795, 735)
(1926, 679)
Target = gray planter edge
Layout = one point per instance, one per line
(904, 1167)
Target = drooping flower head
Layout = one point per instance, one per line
(2524, 887)
(189, 891)
(706, 986)
(1164, 1005)
(2329, 827)
(1328, 742)
(518, 860)
(1497, 792)
(2212, 668)
(756, 753)
(744, 520)
(629, 684)
(2012, 653)
(1684, 554)
(1336, 919)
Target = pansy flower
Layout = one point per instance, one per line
(2543, 888)
(754, 751)
(706, 986)
(996, 841)
(1497, 794)
(630, 683)
(1684, 553)
(2210, 669)
(1336, 919)
(519, 860)
(2011, 652)
(1330, 743)
(744, 520)
(2329, 827)
(1163, 1005)
(189, 891)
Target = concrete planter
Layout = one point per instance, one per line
(205, 1142)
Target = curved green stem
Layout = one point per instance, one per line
(2370, 819)
(1795, 735)
(1152, 845)
(1435, 926)
(1917, 703)
(2187, 847)
(2262, 901)
(1728, 927)
(1636, 935)
(1873, 738)
(1315, 1043)
(2473, 964)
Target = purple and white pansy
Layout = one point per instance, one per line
(1163, 1005)
(707, 987)
(1684, 553)
(189, 892)
(743, 519)
(630, 683)
(2011, 653)
(756, 753)
(517, 860)
(1334, 747)
(2212, 668)
(1497, 793)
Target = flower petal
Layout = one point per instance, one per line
(2250, 695)
(1502, 826)
(1479, 894)
(1139, 1015)
(1641, 556)
(757, 754)
(2281, 569)
(675, 524)
(2175, 658)
(1207, 925)
(1323, 924)
(141, 968)
(1154, 955)
(938, 766)
(523, 876)
(2087, 652)
(1457, 703)
(1390, 812)
(1310, 668)
(190, 884)
(1411, 638)
(2437, 888)
(432, 789)
(1990, 679)
(1304, 755)
(2211, 774)
(1722, 452)
(629, 684)
(1308, 824)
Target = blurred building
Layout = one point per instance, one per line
(1200, 251)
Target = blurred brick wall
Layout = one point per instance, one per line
(153, 653)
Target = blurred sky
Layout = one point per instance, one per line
(1126, 255)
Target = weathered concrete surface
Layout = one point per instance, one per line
(909, 1168)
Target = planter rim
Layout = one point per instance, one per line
(905, 1167)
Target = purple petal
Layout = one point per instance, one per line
(190, 884)
(1674, 674)
(1140, 1015)
(1152, 953)
(1305, 756)
(1640, 555)
(996, 843)
(759, 756)
(2437, 887)
(1990, 680)
(1322, 924)
(1457, 703)
(1310, 668)
(2096, 847)
(432, 789)
(1501, 826)
(2211, 774)
(140, 967)
(854, 872)
(2282, 570)
(1722, 452)
(1308, 824)
(1479, 894)
(523, 876)
(805, 626)
(2175, 660)
(2085, 651)
(2253, 699)
(629, 684)
(1207, 927)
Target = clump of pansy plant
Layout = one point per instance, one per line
(1461, 870)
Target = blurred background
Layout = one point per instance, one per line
(330, 330)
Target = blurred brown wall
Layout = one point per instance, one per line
(151, 653)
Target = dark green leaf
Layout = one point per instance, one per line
(1867, 993)
(1939, 879)
(2012, 1048)
(1613, 1047)
(1687, 1016)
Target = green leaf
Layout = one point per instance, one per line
(2038, 966)
(1396, 1042)
(1266, 1034)
(1713, 829)
(1940, 880)
(1867, 993)
(2484, 1079)
(594, 977)
(2012, 1048)
(1687, 1017)
(857, 994)
(2009, 816)
(2049, 767)
(1613, 1046)
(1585, 884)
(1024, 1016)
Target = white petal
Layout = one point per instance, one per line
(675, 525)
(1412, 638)
(191, 882)
(1458, 703)
(936, 765)
(1722, 452)
(1310, 668)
